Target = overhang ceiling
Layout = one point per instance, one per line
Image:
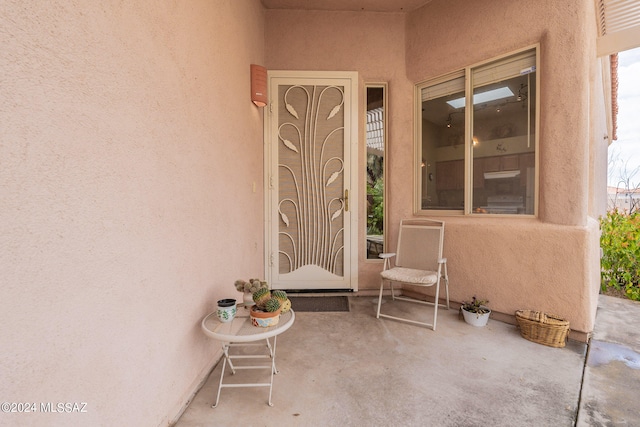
(618, 20)
(618, 25)
(350, 5)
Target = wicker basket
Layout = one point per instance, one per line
(547, 329)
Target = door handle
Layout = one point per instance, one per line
(346, 200)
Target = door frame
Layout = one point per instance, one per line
(350, 272)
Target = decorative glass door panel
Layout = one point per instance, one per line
(310, 212)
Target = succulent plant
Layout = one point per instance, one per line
(285, 302)
(261, 296)
(255, 284)
(272, 305)
(251, 286)
(476, 306)
(240, 285)
(281, 295)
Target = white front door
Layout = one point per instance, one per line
(310, 154)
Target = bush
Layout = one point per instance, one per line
(620, 265)
(375, 212)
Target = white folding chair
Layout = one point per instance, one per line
(418, 262)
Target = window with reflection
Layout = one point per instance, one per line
(375, 168)
(443, 145)
(477, 139)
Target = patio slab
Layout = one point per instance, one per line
(612, 373)
(352, 369)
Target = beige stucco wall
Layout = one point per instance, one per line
(503, 263)
(373, 45)
(549, 263)
(128, 152)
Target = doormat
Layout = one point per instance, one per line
(319, 304)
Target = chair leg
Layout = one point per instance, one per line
(446, 288)
(446, 284)
(435, 306)
(380, 298)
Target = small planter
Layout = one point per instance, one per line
(476, 319)
(264, 319)
(247, 299)
(226, 310)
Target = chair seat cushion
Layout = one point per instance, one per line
(409, 275)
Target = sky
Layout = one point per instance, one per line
(624, 154)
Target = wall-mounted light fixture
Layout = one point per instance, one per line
(259, 85)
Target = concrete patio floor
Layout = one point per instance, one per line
(352, 369)
(611, 384)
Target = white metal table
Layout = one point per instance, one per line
(241, 333)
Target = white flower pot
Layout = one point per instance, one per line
(226, 310)
(247, 299)
(476, 319)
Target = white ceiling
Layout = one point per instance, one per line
(352, 5)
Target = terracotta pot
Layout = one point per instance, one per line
(263, 319)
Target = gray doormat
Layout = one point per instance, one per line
(319, 304)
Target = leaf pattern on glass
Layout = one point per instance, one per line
(332, 178)
(334, 111)
(311, 180)
(292, 110)
(290, 145)
(285, 218)
(336, 214)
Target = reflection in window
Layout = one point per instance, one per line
(477, 150)
(375, 140)
(443, 130)
(503, 129)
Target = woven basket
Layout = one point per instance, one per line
(547, 329)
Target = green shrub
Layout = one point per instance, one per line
(375, 212)
(620, 265)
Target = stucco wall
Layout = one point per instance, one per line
(549, 263)
(373, 45)
(128, 152)
(599, 139)
(503, 263)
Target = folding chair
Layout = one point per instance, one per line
(418, 262)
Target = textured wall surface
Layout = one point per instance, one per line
(298, 40)
(570, 151)
(549, 263)
(128, 152)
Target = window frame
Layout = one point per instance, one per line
(385, 166)
(466, 72)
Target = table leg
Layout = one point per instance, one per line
(272, 351)
(227, 359)
(225, 350)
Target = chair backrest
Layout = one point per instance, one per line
(420, 244)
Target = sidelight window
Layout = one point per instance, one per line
(375, 168)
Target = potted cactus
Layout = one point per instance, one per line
(266, 311)
(285, 303)
(248, 289)
(264, 305)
